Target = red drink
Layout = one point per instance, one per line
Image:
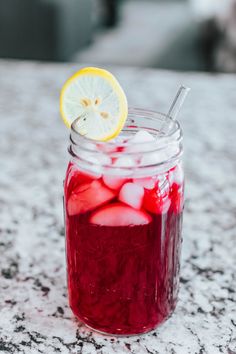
(123, 248)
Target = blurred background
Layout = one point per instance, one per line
(196, 35)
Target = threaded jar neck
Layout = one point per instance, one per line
(129, 157)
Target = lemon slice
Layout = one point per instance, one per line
(94, 98)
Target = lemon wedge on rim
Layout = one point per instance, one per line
(94, 98)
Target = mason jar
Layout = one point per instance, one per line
(123, 216)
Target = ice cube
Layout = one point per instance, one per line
(146, 182)
(103, 159)
(124, 161)
(123, 166)
(96, 163)
(118, 214)
(136, 142)
(132, 194)
(113, 182)
(88, 197)
(153, 158)
(142, 136)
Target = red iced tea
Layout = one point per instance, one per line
(123, 239)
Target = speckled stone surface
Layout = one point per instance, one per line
(34, 314)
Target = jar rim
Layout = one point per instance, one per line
(146, 113)
(167, 149)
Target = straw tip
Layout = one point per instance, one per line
(186, 88)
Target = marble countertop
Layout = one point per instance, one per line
(34, 313)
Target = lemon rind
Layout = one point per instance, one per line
(116, 87)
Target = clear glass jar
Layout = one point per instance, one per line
(123, 216)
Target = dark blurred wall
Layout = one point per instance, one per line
(44, 29)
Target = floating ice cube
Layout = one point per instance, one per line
(124, 161)
(142, 136)
(159, 156)
(119, 214)
(136, 142)
(132, 194)
(104, 160)
(96, 163)
(124, 166)
(88, 197)
(113, 182)
(153, 158)
(146, 182)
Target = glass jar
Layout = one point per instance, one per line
(123, 217)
